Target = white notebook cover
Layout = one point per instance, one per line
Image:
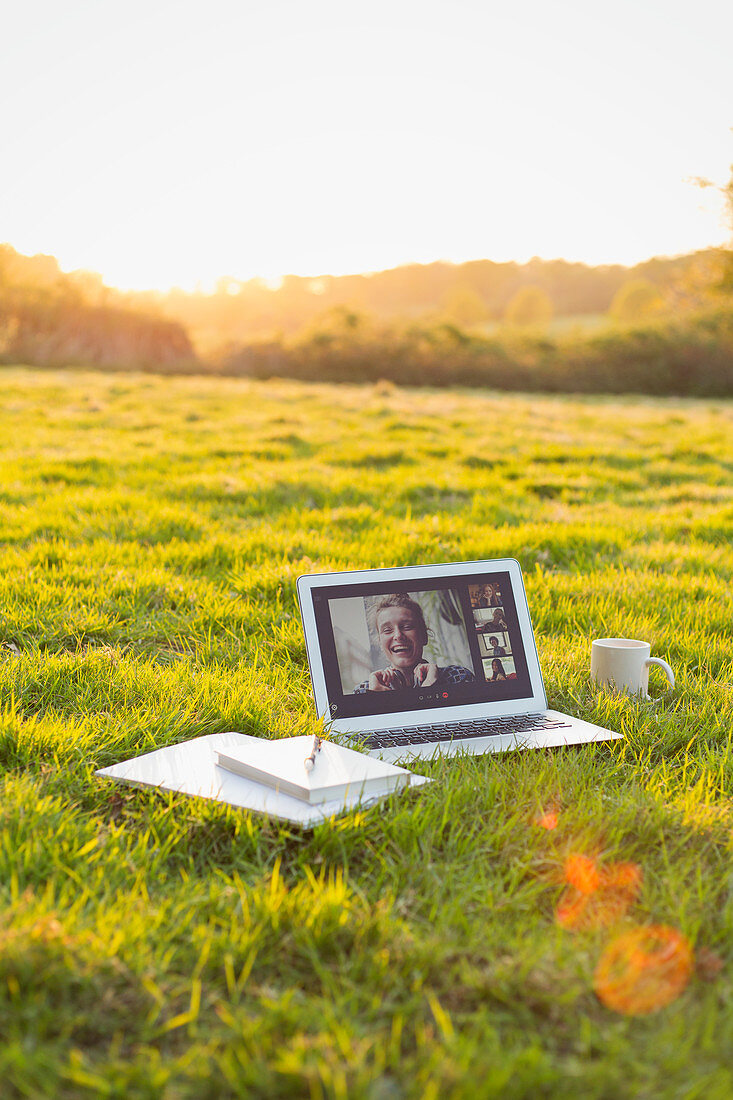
(281, 764)
(191, 768)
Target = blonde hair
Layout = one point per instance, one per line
(399, 599)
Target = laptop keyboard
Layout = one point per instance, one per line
(461, 731)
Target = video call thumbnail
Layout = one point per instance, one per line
(490, 619)
(401, 641)
(484, 596)
(496, 644)
(499, 668)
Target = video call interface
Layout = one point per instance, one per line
(450, 642)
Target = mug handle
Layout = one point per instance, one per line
(663, 665)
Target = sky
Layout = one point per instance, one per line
(172, 142)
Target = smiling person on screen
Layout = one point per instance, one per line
(403, 634)
(498, 622)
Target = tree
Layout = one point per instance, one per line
(636, 300)
(699, 283)
(529, 306)
(726, 282)
(465, 306)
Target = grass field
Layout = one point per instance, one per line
(450, 943)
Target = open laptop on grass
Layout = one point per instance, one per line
(431, 659)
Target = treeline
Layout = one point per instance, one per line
(51, 318)
(48, 318)
(688, 357)
(468, 293)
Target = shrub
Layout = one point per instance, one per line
(636, 300)
(693, 356)
(529, 306)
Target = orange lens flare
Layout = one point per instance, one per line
(643, 970)
(582, 873)
(596, 896)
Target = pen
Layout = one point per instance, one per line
(310, 761)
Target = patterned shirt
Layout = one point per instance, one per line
(451, 674)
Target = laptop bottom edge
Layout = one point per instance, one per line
(573, 731)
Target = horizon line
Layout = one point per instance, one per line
(275, 281)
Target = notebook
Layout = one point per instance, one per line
(338, 772)
(191, 768)
(419, 661)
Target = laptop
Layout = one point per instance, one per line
(420, 661)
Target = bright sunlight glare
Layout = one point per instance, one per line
(173, 143)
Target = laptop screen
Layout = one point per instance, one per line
(392, 646)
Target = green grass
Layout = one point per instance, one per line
(157, 946)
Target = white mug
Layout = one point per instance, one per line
(622, 664)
